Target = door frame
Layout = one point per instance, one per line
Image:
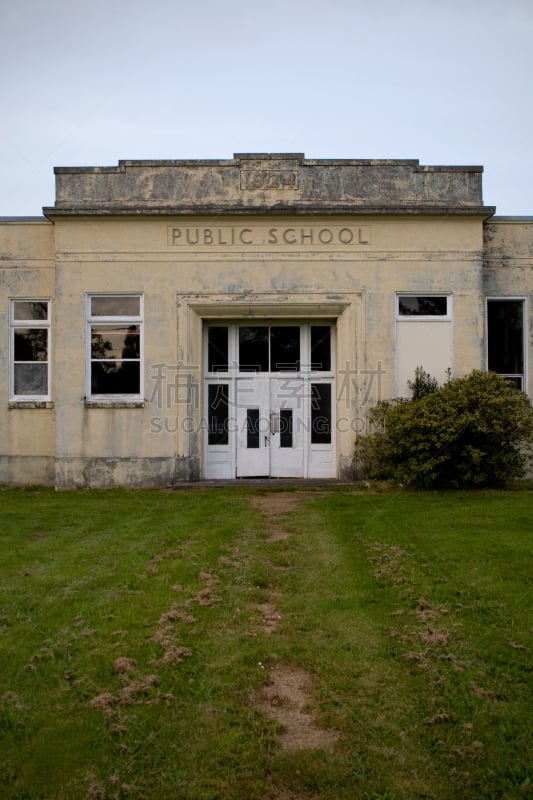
(317, 460)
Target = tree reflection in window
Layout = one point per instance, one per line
(423, 306)
(30, 348)
(115, 347)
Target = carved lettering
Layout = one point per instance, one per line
(253, 179)
(260, 236)
(346, 236)
(289, 236)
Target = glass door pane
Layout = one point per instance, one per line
(253, 348)
(285, 348)
(320, 413)
(285, 428)
(217, 400)
(217, 349)
(252, 428)
(321, 348)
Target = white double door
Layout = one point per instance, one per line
(270, 415)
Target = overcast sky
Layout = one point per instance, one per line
(89, 82)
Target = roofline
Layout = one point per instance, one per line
(275, 210)
(238, 158)
(23, 219)
(513, 218)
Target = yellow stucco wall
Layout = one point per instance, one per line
(189, 269)
(508, 270)
(27, 432)
(249, 268)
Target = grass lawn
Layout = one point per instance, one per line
(253, 644)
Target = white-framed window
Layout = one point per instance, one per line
(30, 349)
(114, 346)
(506, 328)
(423, 337)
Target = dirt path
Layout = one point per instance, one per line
(274, 506)
(287, 699)
(287, 696)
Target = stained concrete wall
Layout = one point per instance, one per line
(259, 181)
(27, 430)
(251, 268)
(256, 237)
(508, 269)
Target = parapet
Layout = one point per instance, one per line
(251, 183)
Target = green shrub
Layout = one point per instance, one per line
(472, 432)
(423, 383)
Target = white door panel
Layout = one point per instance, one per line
(287, 401)
(253, 426)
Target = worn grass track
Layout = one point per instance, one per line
(245, 644)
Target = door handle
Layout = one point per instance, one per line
(274, 422)
(266, 441)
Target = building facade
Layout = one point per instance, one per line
(181, 320)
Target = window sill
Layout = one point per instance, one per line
(420, 318)
(115, 403)
(30, 404)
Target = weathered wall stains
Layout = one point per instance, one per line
(258, 182)
(260, 237)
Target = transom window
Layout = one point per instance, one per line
(30, 349)
(114, 339)
(269, 348)
(427, 306)
(275, 348)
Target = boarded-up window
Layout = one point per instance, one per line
(423, 338)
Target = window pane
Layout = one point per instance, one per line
(285, 348)
(31, 379)
(321, 347)
(129, 378)
(252, 428)
(217, 399)
(320, 413)
(115, 341)
(27, 309)
(422, 306)
(115, 306)
(31, 344)
(115, 377)
(253, 349)
(217, 349)
(285, 432)
(103, 377)
(505, 325)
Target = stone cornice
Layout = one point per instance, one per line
(485, 212)
(269, 183)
